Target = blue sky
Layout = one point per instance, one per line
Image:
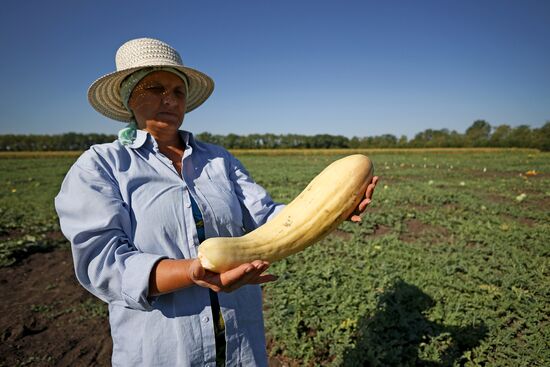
(355, 68)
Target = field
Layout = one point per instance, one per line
(450, 265)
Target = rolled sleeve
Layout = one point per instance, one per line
(135, 280)
(96, 221)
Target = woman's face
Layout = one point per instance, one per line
(158, 99)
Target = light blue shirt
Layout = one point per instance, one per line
(125, 208)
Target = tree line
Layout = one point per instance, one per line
(479, 134)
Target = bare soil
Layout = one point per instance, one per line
(48, 319)
(416, 229)
(43, 318)
(380, 230)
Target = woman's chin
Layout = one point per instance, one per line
(166, 121)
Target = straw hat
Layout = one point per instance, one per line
(104, 93)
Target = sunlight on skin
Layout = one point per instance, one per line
(356, 216)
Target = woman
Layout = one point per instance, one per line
(135, 211)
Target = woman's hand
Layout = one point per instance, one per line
(250, 273)
(356, 215)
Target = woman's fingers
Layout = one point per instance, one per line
(232, 276)
(363, 205)
(356, 215)
(250, 273)
(371, 187)
(355, 218)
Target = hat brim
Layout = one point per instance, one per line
(104, 93)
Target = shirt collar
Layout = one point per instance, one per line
(143, 136)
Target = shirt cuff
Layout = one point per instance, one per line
(135, 280)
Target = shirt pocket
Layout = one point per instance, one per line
(223, 202)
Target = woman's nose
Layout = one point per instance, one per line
(169, 98)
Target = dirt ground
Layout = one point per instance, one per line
(40, 319)
(48, 319)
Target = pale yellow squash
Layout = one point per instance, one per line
(327, 201)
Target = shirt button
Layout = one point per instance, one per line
(205, 319)
(187, 203)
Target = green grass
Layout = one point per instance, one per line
(447, 268)
(450, 265)
(28, 222)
